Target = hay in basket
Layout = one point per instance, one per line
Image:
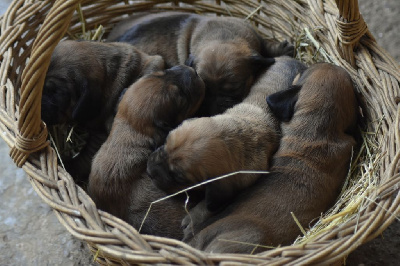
(370, 201)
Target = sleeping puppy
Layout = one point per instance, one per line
(82, 86)
(150, 108)
(306, 172)
(227, 52)
(242, 138)
(85, 80)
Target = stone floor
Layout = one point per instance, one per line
(30, 233)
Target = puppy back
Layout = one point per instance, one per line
(331, 89)
(155, 33)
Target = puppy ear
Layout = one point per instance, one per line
(282, 103)
(153, 64)
(190, 61)
(89, 103)
(260, 62)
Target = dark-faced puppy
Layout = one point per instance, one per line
(242, 138)
(226, 52)
(306, 172)
(85, 80)
(83, 84)
(150, 108)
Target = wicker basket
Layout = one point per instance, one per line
(31, 29)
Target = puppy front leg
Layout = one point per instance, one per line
(80, 166)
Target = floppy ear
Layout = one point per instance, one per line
(282, 103)
(259, 62)
(153, 64)
(88, 104)
(190, 61)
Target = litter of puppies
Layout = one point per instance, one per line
(240, 103)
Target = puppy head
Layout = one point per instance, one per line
(192, 153)
(74, 76)
(323, 93)
(160, 101)
(228, 70)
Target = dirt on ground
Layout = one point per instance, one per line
(30, 233)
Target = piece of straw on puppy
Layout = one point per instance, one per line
(83, 84)
(242, 138)
(149, 109)
(227, 52)
(306, 172)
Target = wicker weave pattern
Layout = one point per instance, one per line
(25, 55)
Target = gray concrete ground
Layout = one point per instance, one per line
(30, 233)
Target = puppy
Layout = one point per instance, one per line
(227, 52)
(306, 172)
(242, 138)
(82, 86)
(150, 108)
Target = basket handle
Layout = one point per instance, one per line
(31, 135)
(351, 27)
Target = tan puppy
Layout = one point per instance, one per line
(150, 108)
(83, 84)
(226, 52)
(242, 138)
(306, 174)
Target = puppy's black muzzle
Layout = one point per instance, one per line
(163, 177)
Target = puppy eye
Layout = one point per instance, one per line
(228, 87)
(163, 125)
(232, 87)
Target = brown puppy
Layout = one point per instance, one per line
(83, 84)
(306, 172)
(226, 52)
(118, 182)
(242, 138)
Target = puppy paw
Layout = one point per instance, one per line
(187, 227)
(192, 222)
(286, 48)
(276, 49)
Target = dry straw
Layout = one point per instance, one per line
(327, 30)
